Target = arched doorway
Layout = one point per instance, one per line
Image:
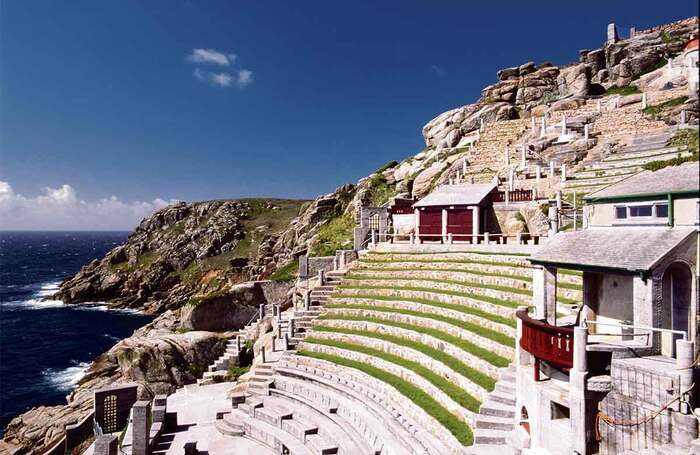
(676, 305)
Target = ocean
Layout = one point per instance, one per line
(46, 346)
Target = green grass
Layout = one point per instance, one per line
(466, 346)
(469, 295)
(334, 234)
(416, 253)
(477, 377)
(379, 191)
(234, 373)
(445, 261)
(459, 429)
(287, 272)
(469, 271)
(475, 328)
(657, 108)
(684, 139)
(389, 165)
(475, 284)
(624, 90)
(452, 390)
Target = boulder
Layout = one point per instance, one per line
(565, 104)
(527, 68)
(423, 182)
(629, 99)
(508, 73)
(574, 80)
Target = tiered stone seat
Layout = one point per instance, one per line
(389, 422)
(440, 322)
(486, 158)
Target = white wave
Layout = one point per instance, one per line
(33, 304)
(66, 378)
(111, 337)
(48, 289)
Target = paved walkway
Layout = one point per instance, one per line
(196, 408)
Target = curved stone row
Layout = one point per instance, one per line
(404, 373)
(433, 295)
(520, 282)
(455, 351)
(426, 282)
(430, 309)
(374, 394)
(518, 260)
(407, 353)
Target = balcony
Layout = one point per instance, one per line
(547, 343)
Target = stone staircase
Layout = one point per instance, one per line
(642, 149)
(487, 157)
(496, 419)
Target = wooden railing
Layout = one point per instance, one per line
(513, 196)
(549, 343)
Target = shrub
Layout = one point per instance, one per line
(388, 165)
(684, 139)
(624, 90)
(658, 108)
(334, 234)
(234, 373)
(286, 273)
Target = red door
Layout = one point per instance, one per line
(459, 223)
(430, 224)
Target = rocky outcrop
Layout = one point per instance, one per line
(157, 357)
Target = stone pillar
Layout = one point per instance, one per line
(444, 225)
(538, 174)
(140, 423)
(374, 241)
(476, 222)
(558, 198)
(506, 156)
(553, 216)
(321, 277)
(563, 172)
(307, 300)
(586, 131)
(290, 327)
(511, 179)
(519, 238)
(262, 353)
(238, 344)
(683, 119)
(412, 238)
(550, 297)
(577, 392)
(449, 238)
(303, 265)
(612, 34)
(633, 31)
(481, 125)
(507, 193)
(417, 215)
(532, 123)
(106, 444)
(486, 238)
(644, 100)
(464, 167)
(261, 311)
(684, 362)
(521, 355)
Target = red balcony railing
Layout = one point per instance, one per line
(513, 196)
(549, 343)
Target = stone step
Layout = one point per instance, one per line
(273, 414)
(489, 449)
(625, 155)
(496, 409)
(228, 428)
(500, 397)
(490, 436)
(320, 445)
(250, 404)
(505, 387)
(299, 428)
(493, 422)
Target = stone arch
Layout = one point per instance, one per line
(525, 419)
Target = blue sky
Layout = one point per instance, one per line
(112, 98)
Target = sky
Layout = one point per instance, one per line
(112, 109)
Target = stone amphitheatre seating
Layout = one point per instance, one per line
(426, 336)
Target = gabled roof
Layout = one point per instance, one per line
(456, 195)
(684, 178)
(629, 249)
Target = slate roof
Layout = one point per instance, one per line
(456, 195)
(671, 179)
(629, 249)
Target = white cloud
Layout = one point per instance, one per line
(240, 79)
(62, 209)
(211, 56)
(439, 70)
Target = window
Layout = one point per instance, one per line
(620, 212)
(558, 411)
(661, 210)
(640, 210)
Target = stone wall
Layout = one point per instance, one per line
(112, 406)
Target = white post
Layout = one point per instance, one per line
(644, 97)
(417, 221)
(575, 214)
(475, 224)
(538, 174)
(486, 238)
(507, 157)
(563, 172)
(511, 176)
(551, 169)
(449, 238)
(563, 125)
(481, 125)
(532, 123)
(464, 166)
(374, 240)
(586, 131)
(683, 120)
(543, 131)
(322, 274)
(507, 192)
(444, 225)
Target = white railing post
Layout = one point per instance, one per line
(586, 131)
(563, 172)
(321, 277)
(684, 365)
(538, 174)
(551, 169)
(644, 97)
